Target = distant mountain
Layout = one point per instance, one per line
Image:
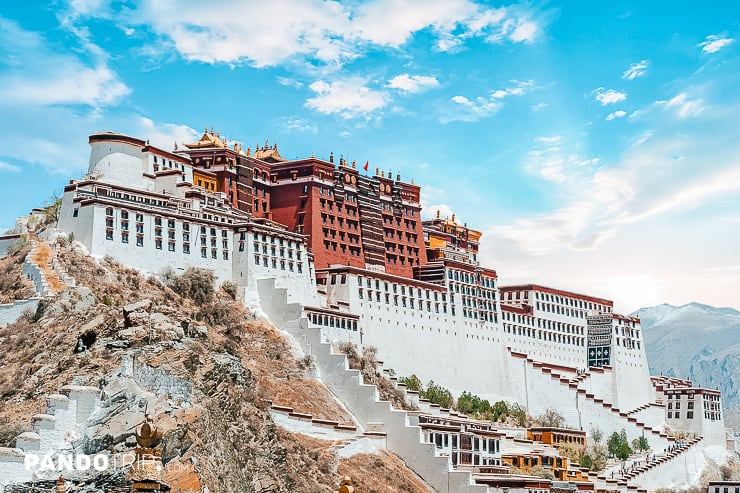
(695, 341)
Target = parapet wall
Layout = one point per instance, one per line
(10, 313)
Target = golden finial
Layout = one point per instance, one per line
(331, 157)
(377, 171)
(267, 144)
(453, 217)
(382, 174)
(354, 164)
(60, 486)
(211, 129)
(346, 485)
(312, 154)
(249, 150)
(148, 436)
(437, 213)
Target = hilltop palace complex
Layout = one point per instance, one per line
(353, 252)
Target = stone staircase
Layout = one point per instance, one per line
(54, 431)
(402, 437)
(585, 403)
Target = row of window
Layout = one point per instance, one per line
(392, 287)
(558, 299)
(333, 321)
(545, 324)
(544, 335)
(677, 415)
(273, 262)
(329, 205)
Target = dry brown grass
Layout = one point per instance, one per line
(381, 473)
(236, 445)
(13, 284)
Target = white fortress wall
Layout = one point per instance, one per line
(119, 163)
(631, 378)
(263, 252)
(11, 312)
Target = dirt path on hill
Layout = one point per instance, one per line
(43, 256)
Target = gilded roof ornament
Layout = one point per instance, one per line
(148, 436)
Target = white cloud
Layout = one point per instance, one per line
(413, 83)
(299, 125)
(468, 110)
(163, 135)
(7, 167)
(350, 98)
(36, 75)
(539, 106)
(635, 70)
(714, 42)
(684, 106)
(430, 211)
(330, 32)
(288, 81)
(616, 114)
(550, 160)
(609, 96)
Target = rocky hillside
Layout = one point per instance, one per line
(197, 361)
(695, 341)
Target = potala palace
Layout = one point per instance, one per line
(332, 252)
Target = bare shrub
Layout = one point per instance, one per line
(194, 283)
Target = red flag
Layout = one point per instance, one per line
(366, 165)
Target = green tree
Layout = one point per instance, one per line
(518, 413)
(499, 411)
(437, 395)
(412, 383)
(623, 451)
(473, 405)
(612, 443)
(643, 443)
(586, 461)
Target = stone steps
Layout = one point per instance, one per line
(362, 400)
(54, 431)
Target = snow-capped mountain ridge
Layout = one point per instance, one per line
(695, 341)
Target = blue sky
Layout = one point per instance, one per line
(595, 145)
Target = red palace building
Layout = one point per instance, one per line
(350, 219)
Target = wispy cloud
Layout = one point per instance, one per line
(683, 105)
(34, 74)
(164, 135)
(328, 32)
(468, 110)
(635, 70)
(615, 115)
(609, 96)
(288, 81)
(9, 168)
(714, 42)
(413, 83)
(550, 161)
(299, 125)
(350, 98)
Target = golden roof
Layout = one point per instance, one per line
(268, 153)
(209, 139)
